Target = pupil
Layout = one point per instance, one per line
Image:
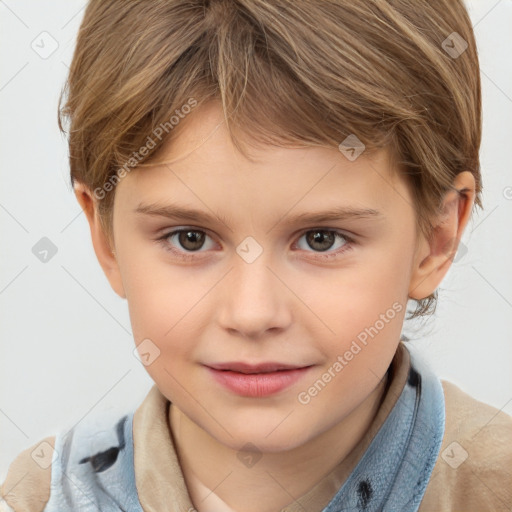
(319, 237)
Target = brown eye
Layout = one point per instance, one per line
(187, 243)
(320, 240)
(191, 240)
(324, 243)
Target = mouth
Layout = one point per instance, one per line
(259, 380)
(247, 368)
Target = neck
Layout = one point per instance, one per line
(218, 482)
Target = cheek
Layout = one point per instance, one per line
(162, 311)
(359, 310)
(367, 328)
(162, 307)
(156, 293)
(350, 298)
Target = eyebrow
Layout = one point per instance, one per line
(178, 212)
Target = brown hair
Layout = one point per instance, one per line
(285, 71)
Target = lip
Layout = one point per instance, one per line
(256, 380)
(266, 367)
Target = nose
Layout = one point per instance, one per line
(254, 301)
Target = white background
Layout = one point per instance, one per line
(66, 344)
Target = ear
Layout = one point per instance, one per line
(100, 241)
(434, 257)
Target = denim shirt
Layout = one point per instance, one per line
(93, 466)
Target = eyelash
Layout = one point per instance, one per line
(190, 255)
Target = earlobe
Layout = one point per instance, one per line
(434, 257)
(101, 244)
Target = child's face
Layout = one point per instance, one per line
(292, 304)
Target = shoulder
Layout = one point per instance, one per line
(27, 484)
(36, 479)
(474, 469)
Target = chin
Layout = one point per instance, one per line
(255, 440)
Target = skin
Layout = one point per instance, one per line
(289, 305)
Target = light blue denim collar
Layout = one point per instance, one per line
(393, 473)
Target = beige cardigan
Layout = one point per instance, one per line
(473, 472)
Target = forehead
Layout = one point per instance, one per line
(204, 167)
